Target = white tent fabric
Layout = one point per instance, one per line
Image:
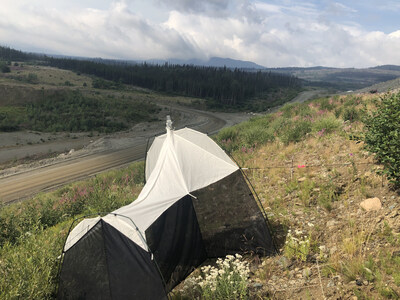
(178, 163)
(124, 226)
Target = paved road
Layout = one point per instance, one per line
(24, 185)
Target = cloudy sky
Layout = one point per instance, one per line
(357, 33)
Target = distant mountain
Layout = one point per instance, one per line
(212, 62)
(388, 67)
(342, 79)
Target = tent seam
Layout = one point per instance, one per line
(105, 254)
(181, 177)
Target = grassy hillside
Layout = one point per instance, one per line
(49, 99)
(311, 176)
(219, 87)
(32, 233)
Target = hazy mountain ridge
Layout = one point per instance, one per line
(334, 79)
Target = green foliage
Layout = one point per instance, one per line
(99, 83)
(6, 53)
(71, 111)
(326, 125)
(296, 131)
(327, 195)
(103, 193)
(338, 112)
(297, 246)
(288, 110)
(326, 104)
(28, 270)
(351, 114)
(221, 87)
(382, 135)
(32, 233)
(291, 124)
(4, 67)
(11, 118)
(305, 192)
(257, 135)
(32, 78)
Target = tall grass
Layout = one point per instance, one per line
(293, 123)
(32, 233)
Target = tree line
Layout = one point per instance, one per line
(220, 86)
(224, 86)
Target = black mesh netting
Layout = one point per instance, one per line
(230, 220)
(176, 242)
(223, 219)
(104, 264)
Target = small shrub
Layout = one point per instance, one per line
(257, 135)
(338, 112)
(305, 192)
(288, 110)
(303, 110)
(297, 246)
(327, 104)
(278, 126)
(351, 114)
(382, 135)
(296, 131)
(327, 195)
(229, 133)
(5, 69)
(227, 138)
(32, 78)
(328, 125)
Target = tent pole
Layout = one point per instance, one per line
(272, 232)
(149, 250)
(62, 252)
(145, 159)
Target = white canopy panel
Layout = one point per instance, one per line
(190, 136)
(124, 226)
(178, 163)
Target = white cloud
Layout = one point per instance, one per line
(273, 34)
(195, 6)
(113, 33)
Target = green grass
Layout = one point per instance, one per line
(291, 124)
(32, 233)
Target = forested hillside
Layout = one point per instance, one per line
(221, 87)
